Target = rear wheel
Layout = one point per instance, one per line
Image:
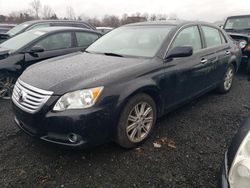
(7, 82)
(227, 82)
(137, 121)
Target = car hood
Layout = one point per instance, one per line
(73, 72)
(239, 35)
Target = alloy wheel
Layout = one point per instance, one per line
(140, 122)
(6, 86)
(229, 78)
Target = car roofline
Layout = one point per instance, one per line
(239, 16)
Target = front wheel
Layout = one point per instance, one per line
(7, 82)
(136, 121)
(227, 82)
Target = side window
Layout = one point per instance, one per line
(39, 26)
(188, 36)
(212, 36)
(56, 41)
(85, 38)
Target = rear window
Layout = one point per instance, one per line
(212, 36)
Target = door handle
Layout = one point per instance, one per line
(228, 52)
(203, 60)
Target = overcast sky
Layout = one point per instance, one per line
(207, 10)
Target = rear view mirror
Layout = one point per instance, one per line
(180, 51)
(36, 49)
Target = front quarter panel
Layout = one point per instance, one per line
(14, 63)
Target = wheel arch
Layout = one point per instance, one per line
(152, 90)
(234, 62)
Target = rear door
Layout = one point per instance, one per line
(189, 74)
(56, 44)
(218, 53)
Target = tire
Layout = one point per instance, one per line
(227, 82)
(248, 67)
(133, 127)
(7, 83)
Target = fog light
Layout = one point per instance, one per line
(72, 137)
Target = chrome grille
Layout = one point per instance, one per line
(29, 98)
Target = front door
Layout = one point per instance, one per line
(187, 75)
(54, 45)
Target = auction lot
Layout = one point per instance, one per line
(201, 131)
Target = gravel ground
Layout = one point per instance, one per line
(199, 134)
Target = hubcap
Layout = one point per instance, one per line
(140, 121)
(228, 79)
(6, 87)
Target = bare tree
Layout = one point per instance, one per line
(20, 16)
(36, 6)
(71, 13)
(47, 12)
(173, 16)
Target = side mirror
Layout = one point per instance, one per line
(180, 51)
(36, 49)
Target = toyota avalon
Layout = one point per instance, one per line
(123, 82)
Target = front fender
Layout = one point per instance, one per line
(147, 86)
(12, 64)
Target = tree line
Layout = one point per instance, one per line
(37, 10)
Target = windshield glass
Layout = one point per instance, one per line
(238, 23)
(17, 29)
(21, 40)
(142, 41)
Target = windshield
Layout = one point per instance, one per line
(21, 40)
(17, 29)
(238, 23)
(142, 41)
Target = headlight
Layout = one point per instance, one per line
(239, 175)
(242, 44)
(78, 99)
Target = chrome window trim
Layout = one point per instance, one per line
(173, 38)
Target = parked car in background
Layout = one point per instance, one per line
(238, 27)
(36, 24)
(123, 82)
(235, 170)
(104, 30)
(6, 27)
(21, 51)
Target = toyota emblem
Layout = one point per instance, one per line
(22, 96)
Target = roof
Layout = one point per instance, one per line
(167, 22)
(52, 29)
(177, 23)
(238, 16)
(69, 21)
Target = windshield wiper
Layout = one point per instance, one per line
(230, 29)
(114, 54)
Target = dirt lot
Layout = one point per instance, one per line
(201, 131)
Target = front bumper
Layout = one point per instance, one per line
(91, 126)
